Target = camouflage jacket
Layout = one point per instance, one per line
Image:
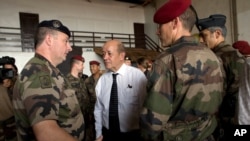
(233, 63)
(184, 91)
(81, 92)
(90, 84)
(41, 92)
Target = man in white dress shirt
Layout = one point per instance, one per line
(131, 83)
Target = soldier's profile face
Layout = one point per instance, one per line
(61, 47)
(79, 65)
(208, 38)
(164, 33)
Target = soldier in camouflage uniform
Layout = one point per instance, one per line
(76, 82)
(186, 82)
(213, 32)
(45, 105)
(90, 84)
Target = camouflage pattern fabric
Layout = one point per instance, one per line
(8, 130)
(42, 92)
(184, 93)
(90, 84)
(81, 92)
(89, 117)
(233, 63)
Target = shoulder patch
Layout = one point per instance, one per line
(45, 81)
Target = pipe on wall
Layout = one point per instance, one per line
(234, 21)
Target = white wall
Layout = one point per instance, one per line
(97, 16)
(79, 15)
(243, 17)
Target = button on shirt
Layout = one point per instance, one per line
(131, 84)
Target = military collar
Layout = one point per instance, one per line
(56, 70)
(41, 58)
(184, 40)
(220, 46)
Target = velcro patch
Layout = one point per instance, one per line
(45, 81)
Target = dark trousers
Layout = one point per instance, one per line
(8, 130)
(120, 136)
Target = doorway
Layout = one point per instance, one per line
(28, 25)
(139, 35)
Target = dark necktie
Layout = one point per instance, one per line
(114, 125)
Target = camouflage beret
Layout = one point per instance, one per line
(56, 25)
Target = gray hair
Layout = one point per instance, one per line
(222, 29)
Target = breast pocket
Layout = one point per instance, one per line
(131, 96)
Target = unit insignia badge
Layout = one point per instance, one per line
(56, 24)
(45, 81)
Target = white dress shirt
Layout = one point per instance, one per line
(131, 83)
(244, 95)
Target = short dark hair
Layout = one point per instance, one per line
(189, 18)
(41, 33)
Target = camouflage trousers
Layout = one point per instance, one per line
(8, 130)
(89, 127)
(188, 130)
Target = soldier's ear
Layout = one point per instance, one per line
(218, 33)
(48, 39)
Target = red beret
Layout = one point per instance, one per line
(243, 47)
(78, 57)
(94, 63)
(171, 10)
